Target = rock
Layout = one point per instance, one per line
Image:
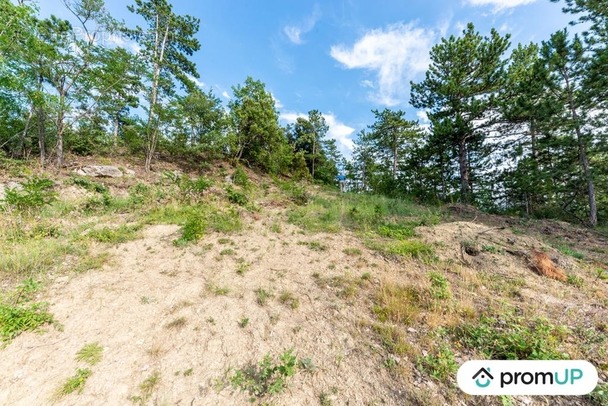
(99, 171)
(129, 172)
(9, 185)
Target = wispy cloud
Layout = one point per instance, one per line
(396, 54)
(338, 131)
(196, 81)
(295, 32)
(499, 5)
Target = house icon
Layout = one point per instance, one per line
(483, 378)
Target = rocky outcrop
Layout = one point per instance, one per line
(99, 171)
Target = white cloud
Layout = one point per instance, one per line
(226, 95)
(500, 5)
(196, 81)
(338, 131)
(295, 32)
(397, 54)
(367, 83)
(277, 102)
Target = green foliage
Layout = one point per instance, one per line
(89, 185)
(36, 192)
(599, 396)
(192, 230)
(266, 378)
(15, 319)
(512, 337)
(262, 296)
(408, 248)
(119, 235)
(75, 383)
(440, 288)
(440, 364)
(236, 197)
(240, 178)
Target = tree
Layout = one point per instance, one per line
(166, 44)
(459, 91)
(309, 137)
(566, 63)
(392, 137)
(257, 136)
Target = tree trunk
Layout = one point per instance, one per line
(41, 136)
(59, 147)
(465, 190)
(24, 133)
(116, 126)
(395, 162)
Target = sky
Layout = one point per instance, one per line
(341, 57)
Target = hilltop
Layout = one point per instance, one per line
(231, 287)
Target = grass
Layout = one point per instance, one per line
(397, 303)
(512, 337)
(34, 256)
(393, 339)
(75, 383)
(314, 245)
(262, 296)
(119, 235)
(176, 324)
(147, 388)
(288, 299)
(243, 322)
(90, 354)
(268, 377)
(352, 252)
(407, 249)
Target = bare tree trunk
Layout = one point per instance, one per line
(116, 126)
(41, 136)
(24, 133)
(465, 190)
(59, 146)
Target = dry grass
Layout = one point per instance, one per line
(542, 264)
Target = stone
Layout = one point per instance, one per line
(99, 171)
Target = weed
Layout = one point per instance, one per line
(440, 288)
(236, 197)
(393, 339)
(490, 248)
(90, 353)
(397, 304)
(266, 378)
(567, 250)
(599, 396)
(262, 296)
(314, 245)
(408, 248)
(218, 290)
(147, 388)
(192, 231)
(15, 319)
(228, 251)
(89, 185)
(242, 268)
(75, 383)
(366, 276)
(178, 323)
(276, 228)
(575, 281)
(308, 365)
(188, 372)
(224, 241)
(243, 322)
(512, 337)
(240, 178)
(399, 231)
(325, 399)
(34, 193)
(352, 251)
(288, 299)
(92, 262)
(440, 364)
(119, 235)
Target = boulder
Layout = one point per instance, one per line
(99, 171)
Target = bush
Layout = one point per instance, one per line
(36, 192)
(267, 378)
(236, 197)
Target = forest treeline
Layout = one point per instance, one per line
(511, 128)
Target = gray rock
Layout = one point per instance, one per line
(9, 185)
(99, 171)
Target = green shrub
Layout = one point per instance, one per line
(36, 192)
(440, 364)
(268, 377)
(240, 178)
(75, 383)
(440, 288)
(15, 319)
(192, 231)
(89, 185)
(236, 197)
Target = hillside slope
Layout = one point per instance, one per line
(172, 288)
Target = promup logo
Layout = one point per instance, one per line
(483, 375)
(527, 377)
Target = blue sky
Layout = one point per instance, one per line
(342, 57)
